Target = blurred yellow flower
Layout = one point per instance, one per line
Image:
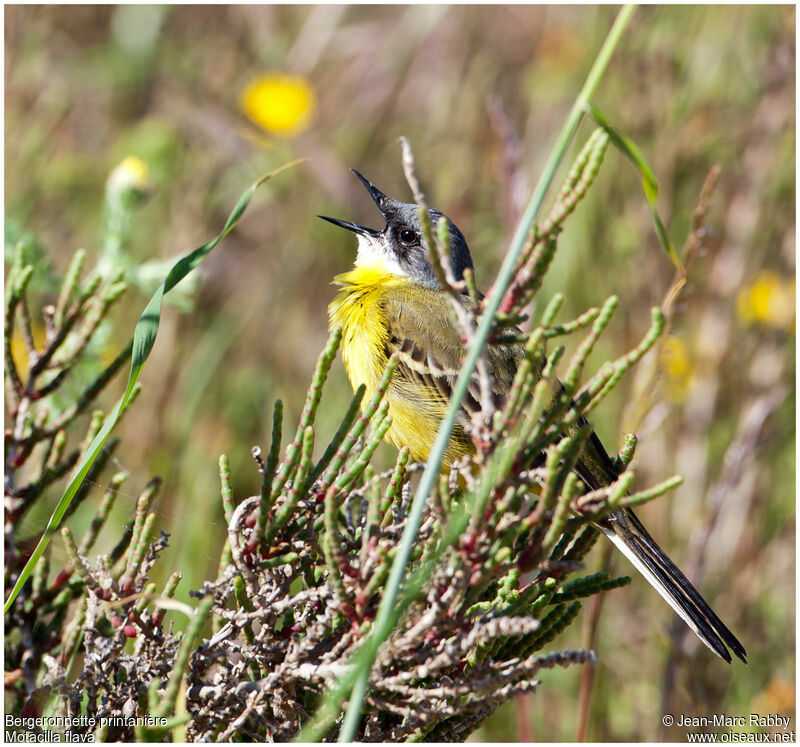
(677, 365)
(281, 104)
(18, 351)
(777, 697)
(131, 173)
(770, 300)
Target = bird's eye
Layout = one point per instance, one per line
(408, 237)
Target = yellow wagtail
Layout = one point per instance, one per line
(391, 302)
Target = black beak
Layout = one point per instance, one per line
(381, 200)
(350, 226)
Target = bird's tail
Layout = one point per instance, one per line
(633, 540)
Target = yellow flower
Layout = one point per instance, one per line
(131, 173)
(677, 365)
(777, 697)
(18, 350)
(769, 300)
(281, 104)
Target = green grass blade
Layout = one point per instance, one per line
(144, 338)
(649, 183)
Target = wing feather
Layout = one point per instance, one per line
(431, 352)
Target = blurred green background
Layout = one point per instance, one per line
(211, 97)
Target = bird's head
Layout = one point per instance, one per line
(398, 248)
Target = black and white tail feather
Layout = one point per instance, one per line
(625, 530)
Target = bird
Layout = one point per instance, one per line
(391, 303)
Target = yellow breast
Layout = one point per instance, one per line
(359, 310)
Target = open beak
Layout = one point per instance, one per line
(381, 200)
(350, 226)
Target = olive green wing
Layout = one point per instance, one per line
(431, 352)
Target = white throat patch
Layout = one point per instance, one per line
(373, 253)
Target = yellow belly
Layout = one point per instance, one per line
(358, 309)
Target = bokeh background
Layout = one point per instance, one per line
(209, 98)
